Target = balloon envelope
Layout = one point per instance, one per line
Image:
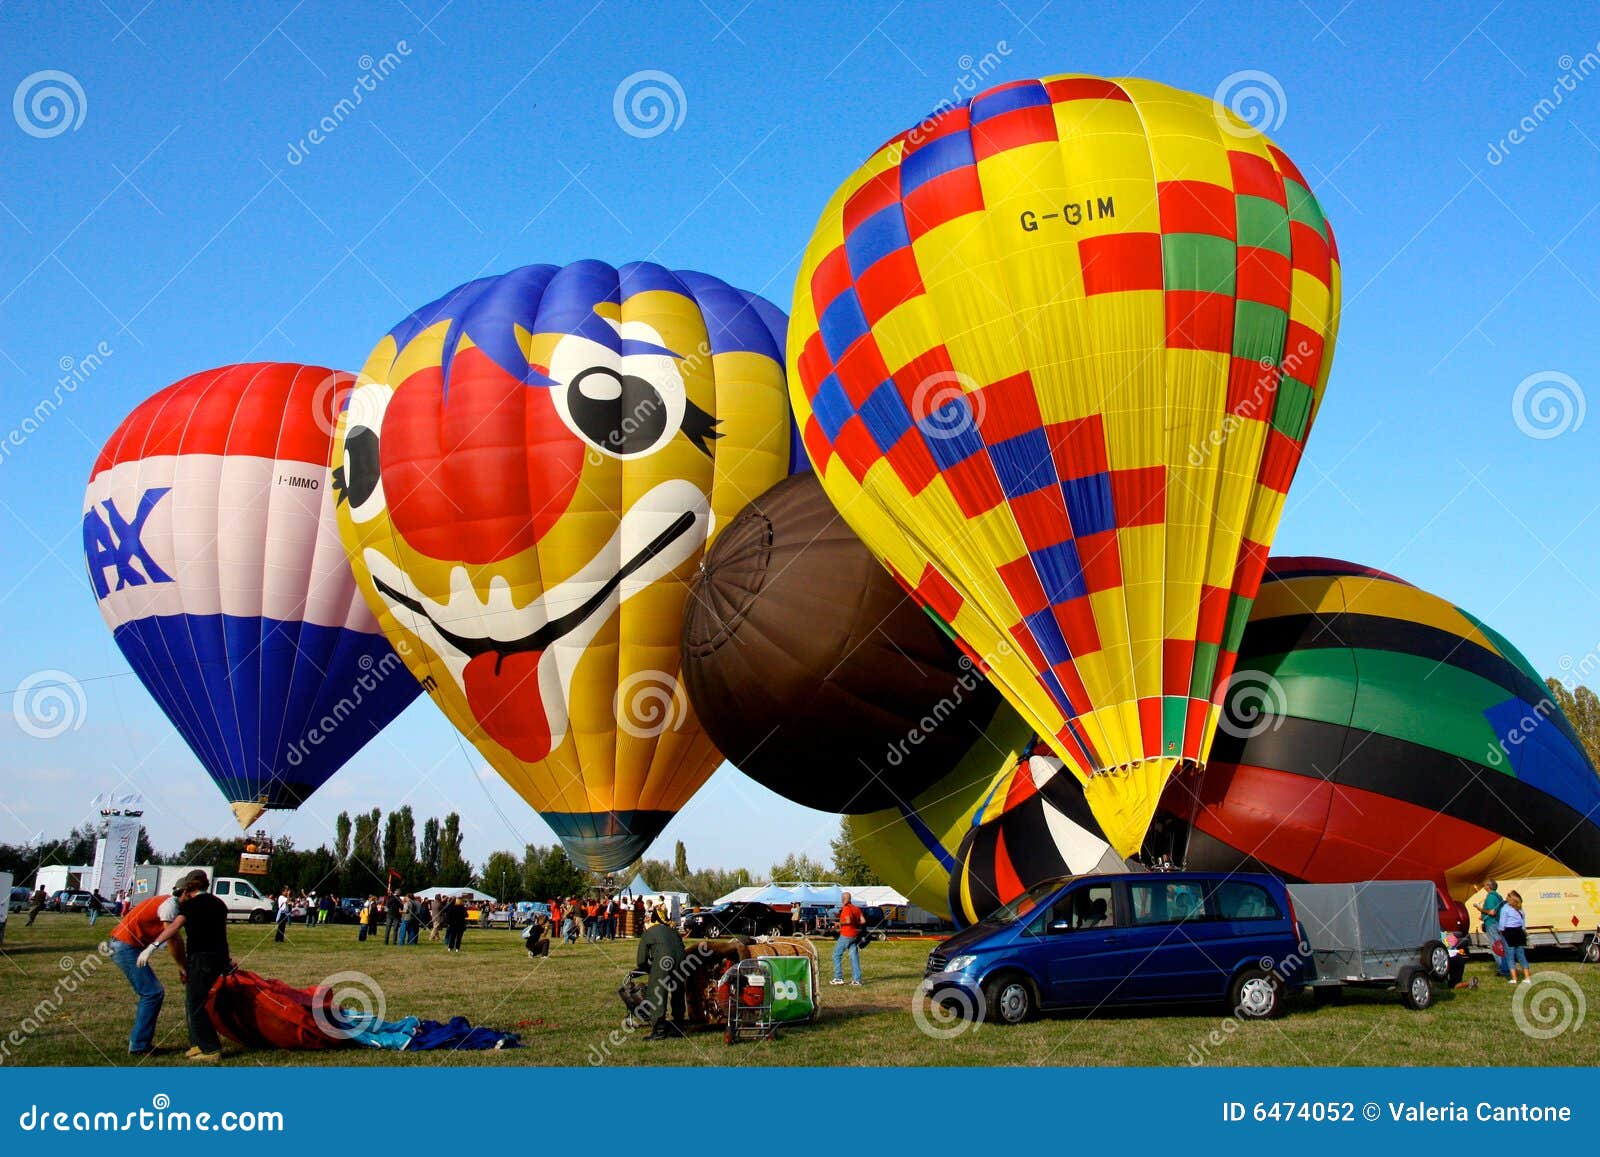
(1055, 352)
(813, 671)
(1375, 731)
(210, 538)
(530, 470)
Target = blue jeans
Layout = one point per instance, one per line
(840, 947)
(1516, 958)
(1491, 929)
(147, 987)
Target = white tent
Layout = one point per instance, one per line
(469, 893)
(865, 896)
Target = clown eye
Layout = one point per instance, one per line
(359, 473)
(621, 414)
(357, 479)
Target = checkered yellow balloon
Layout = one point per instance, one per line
(1055, 352)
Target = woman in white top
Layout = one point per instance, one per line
(1514, 927)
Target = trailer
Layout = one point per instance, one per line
(1561, 911)
(1375, 934)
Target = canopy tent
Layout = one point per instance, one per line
(822, 895)
(469, 893)
(638, 887)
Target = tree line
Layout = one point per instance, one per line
(373, 849)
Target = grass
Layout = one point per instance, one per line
(566, 1009)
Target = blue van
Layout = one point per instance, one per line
(1087, 941)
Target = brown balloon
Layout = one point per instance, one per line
(812, 670)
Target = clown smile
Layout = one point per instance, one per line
(555, 628)
(516, 664)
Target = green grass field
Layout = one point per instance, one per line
(567, 1011)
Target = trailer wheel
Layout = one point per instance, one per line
(1328, 993)
(1436, 959)
(1416, 990)
(1256, 994)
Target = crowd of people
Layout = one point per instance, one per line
(191, 924)
(402, 916)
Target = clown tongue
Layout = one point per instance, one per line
(505, 686)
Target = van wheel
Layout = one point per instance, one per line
(1436, 960)
(1007, 999)
(258, 917)
(1416, 990)
(1256, 994)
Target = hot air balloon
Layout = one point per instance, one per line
(812, 670)
(1375, 731)
(209, 534)
(1054, 353)
(529, 472)
(1004, 814)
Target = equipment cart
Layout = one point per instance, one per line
(766, 992)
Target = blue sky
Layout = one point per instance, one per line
(186, 222)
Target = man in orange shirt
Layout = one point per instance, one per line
(851, 921)
(133, 933)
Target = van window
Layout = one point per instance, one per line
(1082, 908)
(221, 888)
(1166, 901)
(1237, 900)
(243, 888)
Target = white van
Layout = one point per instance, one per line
(244, 901)
(1562, 911)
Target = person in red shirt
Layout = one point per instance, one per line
(851, 923)
(133, 933)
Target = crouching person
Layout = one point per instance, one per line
(535, 940)
(133, 934)
(661, 951)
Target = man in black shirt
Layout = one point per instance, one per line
(204, 921)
